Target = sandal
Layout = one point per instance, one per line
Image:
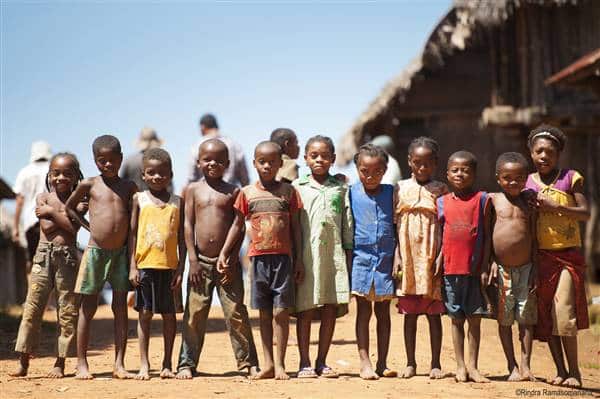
(386, 373)
(327, 372)
(306, 372)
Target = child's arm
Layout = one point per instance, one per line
(493, 266)
(131, 245)
(181, 247)
(81, 191)
(348, 231)
(580, 211)
(534, 248)
(297, 247)
(487, 243)
(45, 211)
(234, 236)
(397, 264)
(189, 223)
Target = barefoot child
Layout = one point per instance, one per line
(562, 306)
(54, 267)
(418, 246)
(327, 235)
(513, 268)
(372, 205)
(272, 208)
(287, 140)
(105, 258)
(157, 255)
(209, 214)
(463, 216)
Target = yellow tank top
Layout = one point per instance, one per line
(157, 235)
(554, 230)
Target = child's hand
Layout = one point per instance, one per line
(341, 177)
(493, 278)
(299, 271)
(226, 275)
(195, 275)
(134, 277)
(397, 269)
(176, 280)
(546, 204)
(43, 211)
(484, 278)
(532, 282)
(82, 207)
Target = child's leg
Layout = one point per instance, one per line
(410, 338)
(119, 308)
(555, 345)
(526, 338)
(281, 317)
(266, 336)
(505, 333)
(474, 340)
(363, 315)
(384, 327)
(169, 331)
(303, 334)
(89, 305)
(458, 341)
(328, 315)
(435, 340)
(574, 377)
(143, 330)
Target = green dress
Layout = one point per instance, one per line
(327, 231)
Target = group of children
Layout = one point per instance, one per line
(314, 243)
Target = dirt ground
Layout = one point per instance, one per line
(219, 378)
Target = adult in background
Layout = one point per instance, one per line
(31, 181)
(237, 173)
(132, 166)
(393, 174)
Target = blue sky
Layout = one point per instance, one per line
(71, 71)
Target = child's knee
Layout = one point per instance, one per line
(281, 314)
(145, 316)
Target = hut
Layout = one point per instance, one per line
(479, 84)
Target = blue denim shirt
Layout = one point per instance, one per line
(374, 240)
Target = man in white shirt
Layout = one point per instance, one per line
(31, 181)
(237, 173)
(393, 174)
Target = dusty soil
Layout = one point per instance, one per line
(219, 377)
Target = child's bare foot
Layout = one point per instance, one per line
(167, 373)
(251, 371)
(461, 375)
(265, 374)
(184, 374)
(409, 372)
(143, 374)
(367, 373)
(280, 374)
(23, 366)
(558, 380)
(475, 376)
(83, 372)
(121, 374)
(515, 375)
(436, 374)
(574, 381)
(527, 375)
(56, 372)
(386, 372)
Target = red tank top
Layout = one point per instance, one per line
(462, 221)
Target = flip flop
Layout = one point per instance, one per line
(386, 373)
(306, 372)
(327, 372)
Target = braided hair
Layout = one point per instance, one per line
(425, 142)
(549, 132)
(76, 167)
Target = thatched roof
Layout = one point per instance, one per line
(455, 32)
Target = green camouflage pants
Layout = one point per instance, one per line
(54, 267)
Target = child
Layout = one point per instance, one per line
(287, 140)
(372, 205)
(418, 245)
(327, 235)
(54, 267)
(105, 258)
(272, 208)
(157, 254)
(513, 268)
(209, 202)
(562, 306)
(463, 216)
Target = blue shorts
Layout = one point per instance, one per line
(154, 291)
(462, 296)
(272, 282)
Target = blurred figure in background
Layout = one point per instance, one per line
(393, 174)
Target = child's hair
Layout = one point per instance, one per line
(547, 132)
(511, 157)
(320, 139)
(425, 142)
(209, 121)
(76, 167)
(466, 155)
(157, 154)
(281, 135)
(106, 141)
(371, 151)
(270, 143)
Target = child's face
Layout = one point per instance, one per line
(213, 161)
(292, 149)
(512, 177)
(62, 174)
(267, 161)
(544, 154)
(460, 174)
(370, 171)
(157, 174)
(108, 162)
(319, 158)
(422, 163)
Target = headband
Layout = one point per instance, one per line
(546, 135)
